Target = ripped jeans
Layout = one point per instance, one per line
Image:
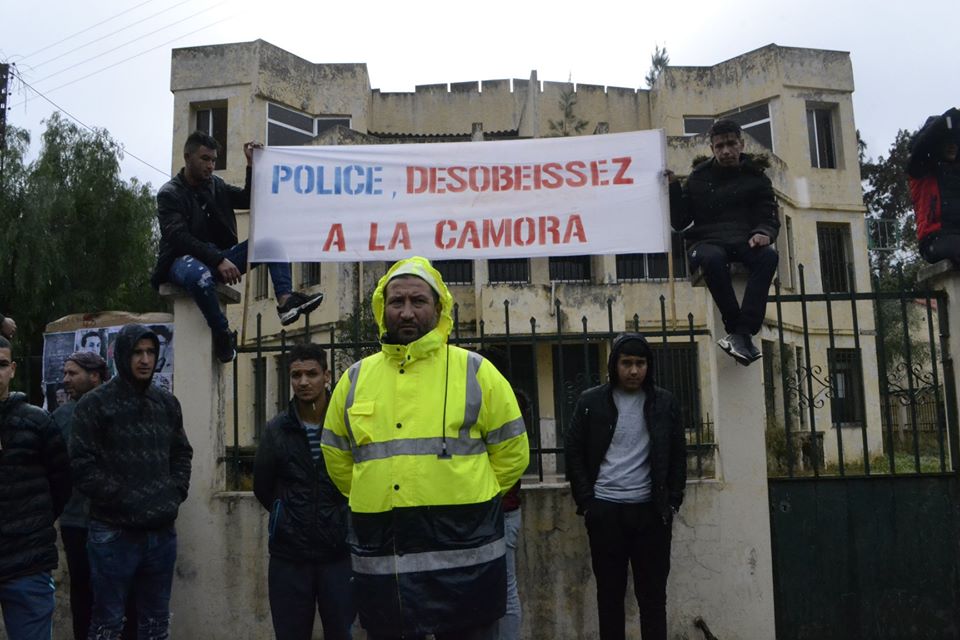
(125, 560)
(201, 283)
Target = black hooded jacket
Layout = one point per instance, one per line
(128, 448)
(34, 486)
(198, 222)
(725, 205)
(308, 514)
(591, 431)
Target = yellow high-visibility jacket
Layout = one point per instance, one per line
(423, 439)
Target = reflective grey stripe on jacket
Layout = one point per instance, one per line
(462, 445)
(429, 560)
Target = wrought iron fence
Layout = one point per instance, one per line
(902, 420)
(575, 365)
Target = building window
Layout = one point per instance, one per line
(693, 125)
(455, 271)
(508, 271)
(570, 269)
(754, 120)
(261, 284)
(846, 402)
(833, 240)
(309, 274)
(820, 131)
(634, 267)
(287, 127)
(213, 122)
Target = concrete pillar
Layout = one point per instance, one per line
(722, 554)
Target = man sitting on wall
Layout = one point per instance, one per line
(728, 212)
(934, 176)
(198, 240)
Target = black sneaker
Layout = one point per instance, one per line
(752, 352)
(733, 344)
(296, 305)
(224, 346)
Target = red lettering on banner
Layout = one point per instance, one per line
(495, 235)
(401, 236)
(335, 238)
(576, 168)
(469, 234)
(624, 163)
(457, 182)
(416, 180)
(596, 170)
(551, 225)
(374, 246)
(574, 228)
(438, 235)
(518, 226)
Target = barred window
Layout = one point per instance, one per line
(508, 271)
(846, 380)
(455, 271)
(833, 240)
(570, 269)
(634, 267)
(309, 274)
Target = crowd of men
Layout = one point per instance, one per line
(394, 497)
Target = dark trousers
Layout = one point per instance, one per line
(297, 588)
(714, 260)
(486, 632)
(941, 246)
(635, 534)
(27, 605)
(124, 561)
(81, 596)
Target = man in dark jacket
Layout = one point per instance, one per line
(934, 177)
(198, 240)
(130, 456)
(627, 466)
(730, 209)
(309, 558)
(34, 486)
(83, 371)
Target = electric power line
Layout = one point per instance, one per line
(137, 39)
(86, 126)
(104, 37)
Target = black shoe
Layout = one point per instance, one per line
(733, 344)
(752, 352)
(224, 346)
(296, 305)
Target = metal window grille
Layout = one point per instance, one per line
(309, 274)
(455, 271)
(261, 285)
(570, 269)
(508, 270)
(833, 240)
(633, 267)
(846, 405)
(820, 134)
(213, 122)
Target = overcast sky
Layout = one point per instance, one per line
(107, 63)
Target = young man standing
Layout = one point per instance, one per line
(309, 558)
(728, 213)
(34, 486)
(627, 466)
(198, 240)
(130, 456)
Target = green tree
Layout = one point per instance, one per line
(570, 124)
(74, 236)
(659, 60)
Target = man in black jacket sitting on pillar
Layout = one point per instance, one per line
(728, 212)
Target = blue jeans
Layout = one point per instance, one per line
(197, 279)
(27, 604)
(510, 623)
(122, 560)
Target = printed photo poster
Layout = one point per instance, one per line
(57, 347)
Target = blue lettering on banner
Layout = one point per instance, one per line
(351, 179)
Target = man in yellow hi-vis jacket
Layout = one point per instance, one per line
(423, 438)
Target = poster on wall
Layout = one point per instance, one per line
(58, 346)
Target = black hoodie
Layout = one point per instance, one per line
(128, 449)
(595, 419)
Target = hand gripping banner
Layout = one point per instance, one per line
(597, 194)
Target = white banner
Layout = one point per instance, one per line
(545, 197)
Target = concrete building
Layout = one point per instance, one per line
(795, 106)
